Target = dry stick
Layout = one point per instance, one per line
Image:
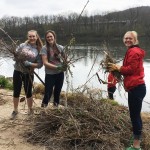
(86, 82)
(73, 61)
(92, 65)
(8, 36)
(75, 122)
(67, 88)
(90, 72)
(16, 46)
(39, 78)
(23, 98)
(100, 80)
(67, 75)
(82, 12)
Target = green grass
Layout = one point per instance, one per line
(5, 83)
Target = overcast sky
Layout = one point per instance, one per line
(23, 8)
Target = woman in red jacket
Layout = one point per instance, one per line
(133, 72)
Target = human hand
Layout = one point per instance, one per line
(113, 67)
(62, 67)
(27, 63)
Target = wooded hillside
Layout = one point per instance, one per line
(86, 28)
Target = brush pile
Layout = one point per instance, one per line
(86, 124)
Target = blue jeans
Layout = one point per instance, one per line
(53, 82)
(135, 99)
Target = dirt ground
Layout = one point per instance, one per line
(12, 131)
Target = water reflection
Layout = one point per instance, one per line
(82, 71)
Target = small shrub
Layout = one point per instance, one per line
(4, 83)
(9, 86)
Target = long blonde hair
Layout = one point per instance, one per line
(39, 42)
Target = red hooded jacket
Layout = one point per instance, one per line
(132, 69)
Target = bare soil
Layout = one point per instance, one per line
(12, 131)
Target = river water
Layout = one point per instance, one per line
(84, 70)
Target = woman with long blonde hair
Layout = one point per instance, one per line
(23, 69)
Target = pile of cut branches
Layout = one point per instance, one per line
(86, 124)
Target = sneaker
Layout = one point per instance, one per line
(43, 105)
(13, 115)
(133, 148)
(55, 104)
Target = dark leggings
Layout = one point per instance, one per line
(26, 79)
(111, 91)
(135, 99)
(53, 81)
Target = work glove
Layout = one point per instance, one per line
(62, 67)
(113, 67)
(27, 63)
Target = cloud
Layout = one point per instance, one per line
(52, 7)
